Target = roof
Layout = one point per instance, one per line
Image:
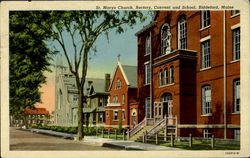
(145, 28)
(37, 111)
(129, 73)
(97, 83)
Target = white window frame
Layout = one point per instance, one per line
(206, 100)
(118, 85)
(166, 77)
(147, 73)
(148, 45)
(237, 134)
(205, 54)
(236, 87)
(182, 32)
(205, 19)
(115, 114)
(148, 107)
(207, 133)
(236, 43)
(171, 74)
(160, 77)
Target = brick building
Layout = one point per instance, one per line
(37, 116)
(189, 69)
(122, 106)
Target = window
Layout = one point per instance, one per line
(160, 78)
(100, 117)
(148, 108)
(236, 43)
(148, 45)
(207, 133)
(237, 134)
(118, 84)
(115, 99)
(123, 99)
(171, 71)
(206, 100)
(237, 96)
(147, 73)
(166, 75)
(182, 33)
(123, 115)
(165, 39)
(205, 54)
(115, 118)
(205, 18)
(101, 101)
(75, 98)
(234, 12)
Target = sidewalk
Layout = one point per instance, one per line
(105, 142)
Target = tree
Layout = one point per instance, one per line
(84, 27)
(29, 58)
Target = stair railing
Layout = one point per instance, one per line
(138, 127)
(159, 125)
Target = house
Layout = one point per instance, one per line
(37, 116)
(122, 109)
(66, 100)
(97, 97)
(189, 72)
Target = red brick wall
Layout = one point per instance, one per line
(130, 95)
(189, 78)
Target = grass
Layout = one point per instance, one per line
(201, 145)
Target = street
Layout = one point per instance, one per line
(25, 140)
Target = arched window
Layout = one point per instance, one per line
(165, 39)
(166, 76)
(160, 78)
(166, 97)
(171, 75)
(206, 99)
(182, 32)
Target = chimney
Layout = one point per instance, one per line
(107, 82)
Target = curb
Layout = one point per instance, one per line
(121, 147)
(59, 135)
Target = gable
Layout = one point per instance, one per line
(118, 75)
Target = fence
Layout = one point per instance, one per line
(115, 134)
(208, 142)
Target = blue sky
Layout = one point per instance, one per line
(105, 59)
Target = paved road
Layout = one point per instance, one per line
(24, 140)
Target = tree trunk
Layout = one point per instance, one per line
(25, 121)
(80, 134)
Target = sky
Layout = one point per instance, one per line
(103, 62)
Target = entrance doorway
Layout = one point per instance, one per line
(167, 101)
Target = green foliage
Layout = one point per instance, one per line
(84, 28)
(29, 57)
